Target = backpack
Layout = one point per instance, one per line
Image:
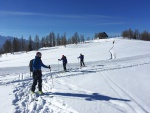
(65, 59)
(31, 65)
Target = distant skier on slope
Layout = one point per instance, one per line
(37, 73)
(64, 61)
(113, 42)
(112, 52)
(81, 60)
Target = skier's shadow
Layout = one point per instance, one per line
(89, 97)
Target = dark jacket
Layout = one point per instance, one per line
(81, 57)
(37, 63)
(64, 60)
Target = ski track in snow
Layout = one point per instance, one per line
(123, 94)
(24, 102)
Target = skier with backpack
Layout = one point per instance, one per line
(37, 73)
(64, 61)
(81, 60)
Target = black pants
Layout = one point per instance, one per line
(82, 63)
(37, 78)
(64, 66)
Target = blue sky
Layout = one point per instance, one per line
(39, 17)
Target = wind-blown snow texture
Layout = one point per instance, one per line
(104, 85)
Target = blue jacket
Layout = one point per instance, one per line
(64, 60)
(37, 63)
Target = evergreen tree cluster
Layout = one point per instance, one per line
(130, 34)
(51, 40)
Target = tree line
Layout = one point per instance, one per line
(51, 40)
(130, 34)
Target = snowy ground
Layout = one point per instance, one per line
(120, 85)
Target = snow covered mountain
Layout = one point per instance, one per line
(104, 85)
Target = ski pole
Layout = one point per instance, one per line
(69, 68)
(58, 65)
(30, 73)
(79, 63)
(51, 78)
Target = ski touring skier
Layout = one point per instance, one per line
(37, 73)
(112, 52)
(81, 57)
(64, 61)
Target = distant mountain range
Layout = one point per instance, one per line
(3, 39)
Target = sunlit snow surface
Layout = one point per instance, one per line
(104, 85)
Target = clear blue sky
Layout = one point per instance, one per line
(30, 17)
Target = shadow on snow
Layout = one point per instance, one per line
(89, 97)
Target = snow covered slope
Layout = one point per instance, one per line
(105, 85)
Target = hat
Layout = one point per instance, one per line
(38, 54)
